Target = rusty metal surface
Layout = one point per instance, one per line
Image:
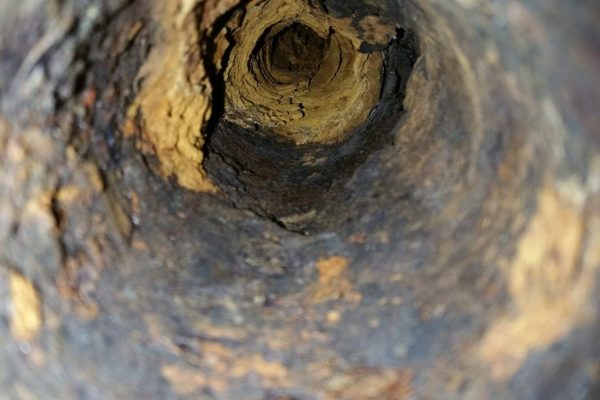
(465, 263)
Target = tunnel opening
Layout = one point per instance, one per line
(306, 102)
(297, 51)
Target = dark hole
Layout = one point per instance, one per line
(303, 187)
(297, 49)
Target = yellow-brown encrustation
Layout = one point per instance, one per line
(323, 108)
(175, 101)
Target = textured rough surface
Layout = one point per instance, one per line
(449, 249)
(26, 319)
(320, 108)
(173, 104)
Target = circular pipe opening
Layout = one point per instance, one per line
(293, 55)
(306, 101)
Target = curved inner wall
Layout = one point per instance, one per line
(433, 260)
(439, 175)
(305, 105)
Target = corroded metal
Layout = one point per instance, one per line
(457, 258)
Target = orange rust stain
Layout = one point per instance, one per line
(226, 366)
(333, 282)
(334, 317)
(272, 372)
(89, 98)
(212, 365)
(220, 332)
(140, 245)
(68, 194)
(332, 268)
(26, 318)
(185, 381)
(174, 103)
(371, 384)
(549, 284)
(134, 202)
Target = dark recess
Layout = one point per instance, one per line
(302, 187)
